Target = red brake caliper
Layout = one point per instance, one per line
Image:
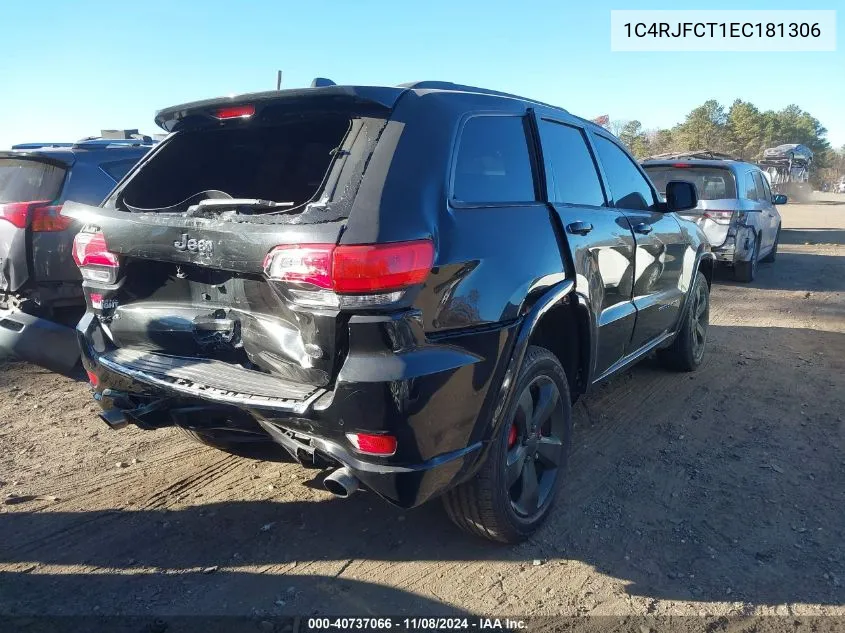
(512, 434)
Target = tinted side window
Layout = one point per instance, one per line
(570, 170)
(629, 187)
(750, 186)
(767, 192)
(493, 162)
(761, 189)
(117, 169)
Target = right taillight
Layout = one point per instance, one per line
(719, 217)
(350, 276)
(95, 261)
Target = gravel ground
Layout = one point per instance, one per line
(719, 492)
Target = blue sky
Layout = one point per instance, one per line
(72, 68)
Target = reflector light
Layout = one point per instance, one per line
(682, 165)
(235, 112)
(374, 268)
(92, 378)
(371, 444)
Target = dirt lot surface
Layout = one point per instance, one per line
(720, 492)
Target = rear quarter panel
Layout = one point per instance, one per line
(490, 262)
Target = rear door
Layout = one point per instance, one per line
(755, 205)
(600, 239)
(29, 187)
(660, 244)
(770, 216)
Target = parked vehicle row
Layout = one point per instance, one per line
(406, 285)
(41, 297)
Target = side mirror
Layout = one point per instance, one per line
(681, 195)
(779, 198)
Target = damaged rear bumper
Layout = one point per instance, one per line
(38, 341)
(430, 399)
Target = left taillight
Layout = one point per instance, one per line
(95, 261)
(39, 215)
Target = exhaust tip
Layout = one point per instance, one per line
(341, 483)
(115, 418)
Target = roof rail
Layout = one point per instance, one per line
(40, 145)
(701, 154)
(101, 143)
(448, 85)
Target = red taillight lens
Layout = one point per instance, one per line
(92, 256)
(16, 212)
(381, 267)
(39, 214)
(371, 444)
(235, 112)
(48, 218)
(353, 269)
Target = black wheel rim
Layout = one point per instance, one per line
(535, 447)
(700, 320)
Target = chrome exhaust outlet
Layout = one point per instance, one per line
(341, 483)
(115, 418)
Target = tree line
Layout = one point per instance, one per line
(742, 130)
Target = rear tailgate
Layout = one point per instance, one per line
(29, 183)
(717, 194)
(187, 278)
(214, 303)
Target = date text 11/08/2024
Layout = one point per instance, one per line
(414, 624)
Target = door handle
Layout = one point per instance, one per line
(642, 228)
(579, 228)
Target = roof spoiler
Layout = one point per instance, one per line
(210, 110)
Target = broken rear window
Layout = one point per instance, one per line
(713, 183)
(285, 162)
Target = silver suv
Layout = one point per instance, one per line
(736, 208)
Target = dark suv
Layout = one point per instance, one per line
(40, 288)
(408, 285)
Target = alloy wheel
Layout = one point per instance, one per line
(700, 320)
(535, 451)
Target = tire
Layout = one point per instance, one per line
(687, 350)
(240, 444)
(486, 505)
(747, 271)
(768, 259)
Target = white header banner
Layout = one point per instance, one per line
(723, 30)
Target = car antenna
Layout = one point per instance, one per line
(279, 80)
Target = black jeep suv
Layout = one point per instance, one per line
(408, 285)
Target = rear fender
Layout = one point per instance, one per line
(553, 297)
